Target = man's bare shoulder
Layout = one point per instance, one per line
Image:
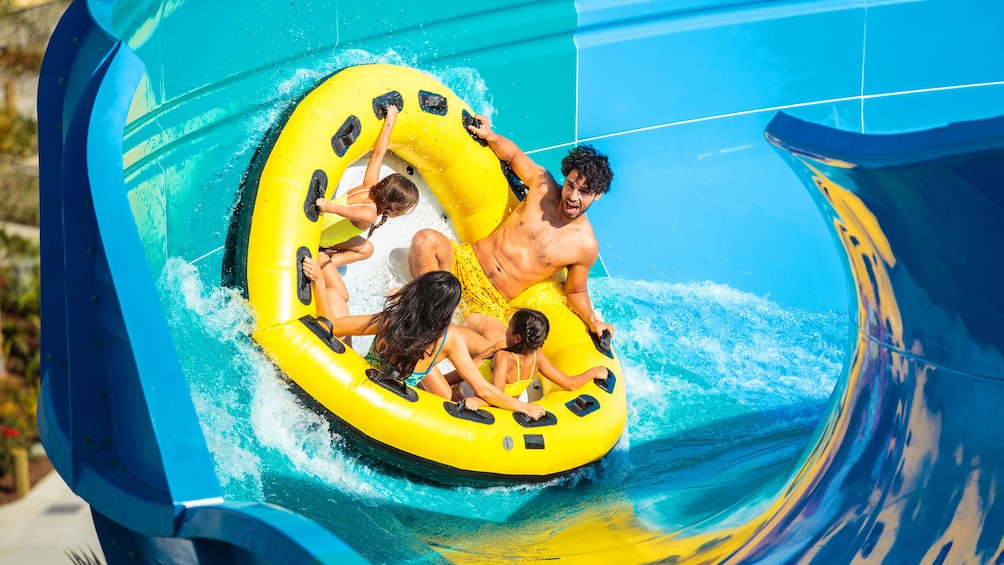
(586, 242)
(542, 183)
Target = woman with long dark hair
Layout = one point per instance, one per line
(414, 332)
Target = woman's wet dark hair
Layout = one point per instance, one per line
(592, 164)
(532, 326)
(394, 193)
(414, 317)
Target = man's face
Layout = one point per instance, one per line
(576, 196)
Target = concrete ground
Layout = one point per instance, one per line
(49, 525)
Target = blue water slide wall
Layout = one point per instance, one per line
(679, 94)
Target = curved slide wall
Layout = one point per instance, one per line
(679, 96)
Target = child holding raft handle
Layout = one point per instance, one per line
(348, 216)
(517, 359)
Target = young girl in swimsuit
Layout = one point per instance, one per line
(348, 216)
(413, 333)
(515, 364)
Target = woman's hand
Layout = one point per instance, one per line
(534, 411)
(312, 270)
(598, 373)
(473, 403)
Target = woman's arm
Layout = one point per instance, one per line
(354, 325)
(456, 352)
(558, 377)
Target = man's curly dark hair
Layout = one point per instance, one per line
(591, 164)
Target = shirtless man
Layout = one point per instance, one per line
(547, 232)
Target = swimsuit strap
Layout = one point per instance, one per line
(359, 188)
(356, 191)
(347, 205)
(519, 371)
(433, 362)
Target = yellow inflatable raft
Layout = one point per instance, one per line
(277, 225)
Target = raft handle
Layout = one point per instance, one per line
(468, 120)
(392, 381)
(582, 405)
(302, 282)
(381, 102)
(607, 385)
(433, 103)
(533, 441)
(602, 343)
(515, 184)
(317, 189)
(457, 410)
(547, 419)
(326, 334)
(346, 135)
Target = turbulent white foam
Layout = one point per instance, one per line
(211, 328)
(696, 353)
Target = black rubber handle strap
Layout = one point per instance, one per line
(548, 419)
(380, 103)
(608, 384)
(302, 282)
(602, 343)
(467, 120)
(433, 103)
(326, 322)
(459, 411)
(346, 135)
(322, 333)
(582, 405)
(515, 184)
(317, 189)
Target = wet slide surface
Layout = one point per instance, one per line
(765, 423)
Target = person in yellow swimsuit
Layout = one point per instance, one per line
(347, 217)
(514, 366)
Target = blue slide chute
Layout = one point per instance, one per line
(862, 215)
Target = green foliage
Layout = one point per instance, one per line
(20, 297)
(21, 304)
(18, 135)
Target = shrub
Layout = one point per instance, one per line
(20, 303)
(17, 418)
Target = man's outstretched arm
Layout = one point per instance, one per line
(525, 168)
(577, 295)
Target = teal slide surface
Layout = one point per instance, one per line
(798, 253)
